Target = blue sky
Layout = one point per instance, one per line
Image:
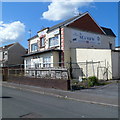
(31, 13)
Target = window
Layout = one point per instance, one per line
(54, 41)
(34, 47)
(28, 64)
(47, 62)
(37, 65)
(42, 42)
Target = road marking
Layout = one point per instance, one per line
(60, 96)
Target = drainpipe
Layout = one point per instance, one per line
(60, 48)
(60, 37)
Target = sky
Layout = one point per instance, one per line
(20, 17)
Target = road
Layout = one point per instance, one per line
(18, 103)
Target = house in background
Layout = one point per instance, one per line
(117, 48)
(70, 42)
(11, 55)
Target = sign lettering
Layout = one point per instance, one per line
(85, 37)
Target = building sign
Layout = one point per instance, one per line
(85, 37)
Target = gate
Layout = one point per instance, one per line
(102, 73)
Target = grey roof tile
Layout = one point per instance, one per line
(108, 31)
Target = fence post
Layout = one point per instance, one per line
(107, 70)
(93, 68)
(86, 69)
(70, 65)
(98, 72)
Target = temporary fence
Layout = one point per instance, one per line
(100, 69)
(77, 70)
(49, 73)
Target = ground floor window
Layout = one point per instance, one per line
(28, 64)
(37, 65)
(47, 62)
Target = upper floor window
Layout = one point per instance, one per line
(4, 54)
(34, 47)
(54, 41)
(42, 42)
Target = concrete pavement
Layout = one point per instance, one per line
(105, 95)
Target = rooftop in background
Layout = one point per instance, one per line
(6, 46)
(117, 47)
(108, 31)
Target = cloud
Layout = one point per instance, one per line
(11, 32)
(64, 9)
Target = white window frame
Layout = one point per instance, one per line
(54, 41)
(47, 61)
(42, 42)
(35, 45)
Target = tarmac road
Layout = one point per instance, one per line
(26, 104)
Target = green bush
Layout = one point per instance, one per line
(92, 80)
(90, 83)
(84, 79)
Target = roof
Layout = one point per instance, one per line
(6, 46)
(117, 47)
(35, 53)
(108, 31)
(63, 23)
(56, 26)
(33, 37)
(43, 29)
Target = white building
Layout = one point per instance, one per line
(75, 40)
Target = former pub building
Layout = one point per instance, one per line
(79, 44)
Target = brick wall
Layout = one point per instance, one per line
(42, 82)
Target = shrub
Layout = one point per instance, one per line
(90, 83)
(84, 79)
(92, 80)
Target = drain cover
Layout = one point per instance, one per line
(31, 115)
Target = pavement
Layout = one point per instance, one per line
(106, 95)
